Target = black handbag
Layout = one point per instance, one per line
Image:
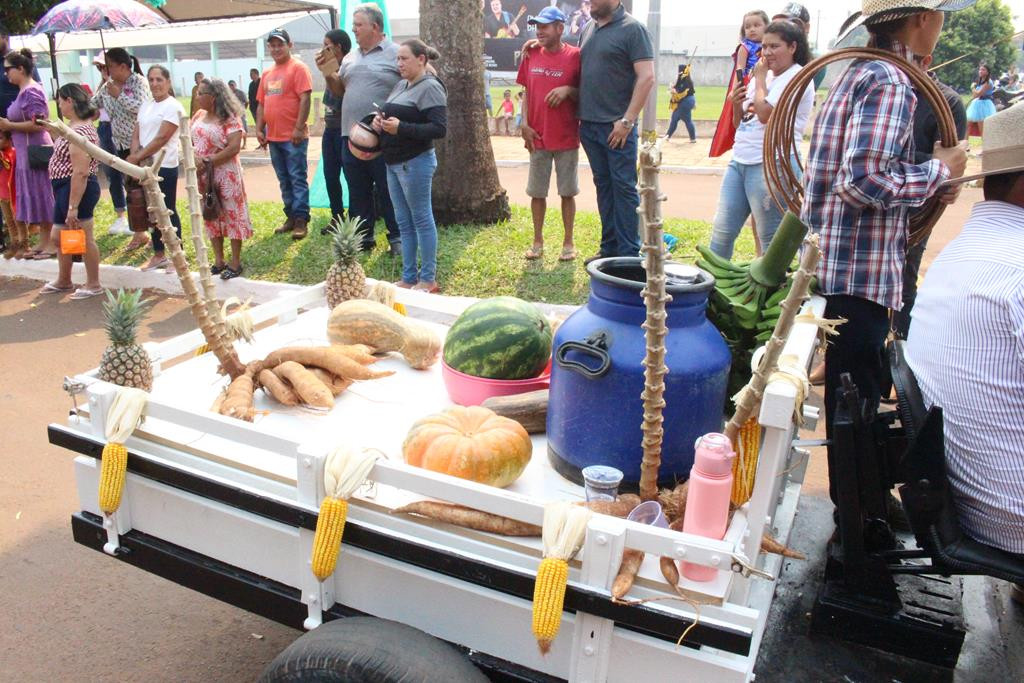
(39, 157)
(212, 207)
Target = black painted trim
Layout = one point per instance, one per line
(518, 584)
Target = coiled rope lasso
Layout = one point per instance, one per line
(780, 146)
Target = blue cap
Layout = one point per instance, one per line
(548, 15)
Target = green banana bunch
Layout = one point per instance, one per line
(746, 302)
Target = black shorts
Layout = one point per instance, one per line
(62, 196)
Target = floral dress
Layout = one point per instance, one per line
(209, 139)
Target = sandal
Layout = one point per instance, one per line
(428, 287)
(568, 254)
(50, 288)
(85, 293)
(230, 273)
(534, 253)
(43, 255)
(162, 263)
(217, 270)
(133, 245)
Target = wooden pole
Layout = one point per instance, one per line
(655, 329)
(150, 181)
(750, 396)
(188, 157)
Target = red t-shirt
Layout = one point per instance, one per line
(541, 72)
(279, 91)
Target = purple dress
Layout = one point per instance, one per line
(33, 191)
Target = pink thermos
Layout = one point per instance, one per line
(707, 501)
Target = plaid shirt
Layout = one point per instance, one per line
(860, 184)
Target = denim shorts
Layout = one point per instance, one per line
(62, 197)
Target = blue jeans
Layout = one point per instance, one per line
(292, 169)
(744, 192)
(684, 112)
(114, 177)
(368, 191)
(332, 146)
(409, 184)
(614, 172)
(169, 186)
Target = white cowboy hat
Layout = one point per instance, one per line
(880, 11)
(1002, 144)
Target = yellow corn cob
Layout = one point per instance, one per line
(113, 465)
(750, 443)
(330, 526)
(548, 598)
(400, 307)
(202, 349)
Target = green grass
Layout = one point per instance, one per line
(478, 261)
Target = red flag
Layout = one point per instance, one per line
(725, 133)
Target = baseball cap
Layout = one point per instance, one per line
(548, 15)
(279, 33)
(99, 60)
(794, 10)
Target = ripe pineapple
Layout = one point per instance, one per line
(345, 280)
(125, 362)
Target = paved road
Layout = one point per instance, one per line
(71, 614)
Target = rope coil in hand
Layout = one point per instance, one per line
(783, 183)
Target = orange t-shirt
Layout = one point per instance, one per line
(279, 92)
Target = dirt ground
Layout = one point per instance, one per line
(71, 614)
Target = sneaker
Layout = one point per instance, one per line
(120, 227)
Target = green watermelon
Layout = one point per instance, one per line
(499, 338)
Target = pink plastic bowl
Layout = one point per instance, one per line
(467, 390)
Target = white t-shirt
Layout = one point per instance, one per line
(151, 115)
(749, 145)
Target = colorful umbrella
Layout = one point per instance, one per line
(91, 15)
(96, 15)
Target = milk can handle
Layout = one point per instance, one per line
(595, 346)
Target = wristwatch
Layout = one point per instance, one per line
(626, 122)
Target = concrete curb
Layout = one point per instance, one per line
(258, 291)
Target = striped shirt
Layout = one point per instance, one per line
(860, 183)
(966, 348)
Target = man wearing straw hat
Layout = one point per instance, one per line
(966, 345)
(860, 185)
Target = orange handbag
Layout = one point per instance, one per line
(72, 242)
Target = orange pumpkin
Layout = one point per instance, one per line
(470, 442)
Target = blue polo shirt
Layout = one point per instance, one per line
(607, 55)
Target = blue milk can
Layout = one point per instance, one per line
(595, 410)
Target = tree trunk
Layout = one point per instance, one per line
(466, 186)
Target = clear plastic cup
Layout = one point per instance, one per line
(649, 513)
(601, 482)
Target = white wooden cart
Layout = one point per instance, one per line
(228, 508)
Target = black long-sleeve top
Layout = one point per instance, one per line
(422, 110)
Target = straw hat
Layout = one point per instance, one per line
(881, 11)
(1002, 144)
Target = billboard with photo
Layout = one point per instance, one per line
(506, 27)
